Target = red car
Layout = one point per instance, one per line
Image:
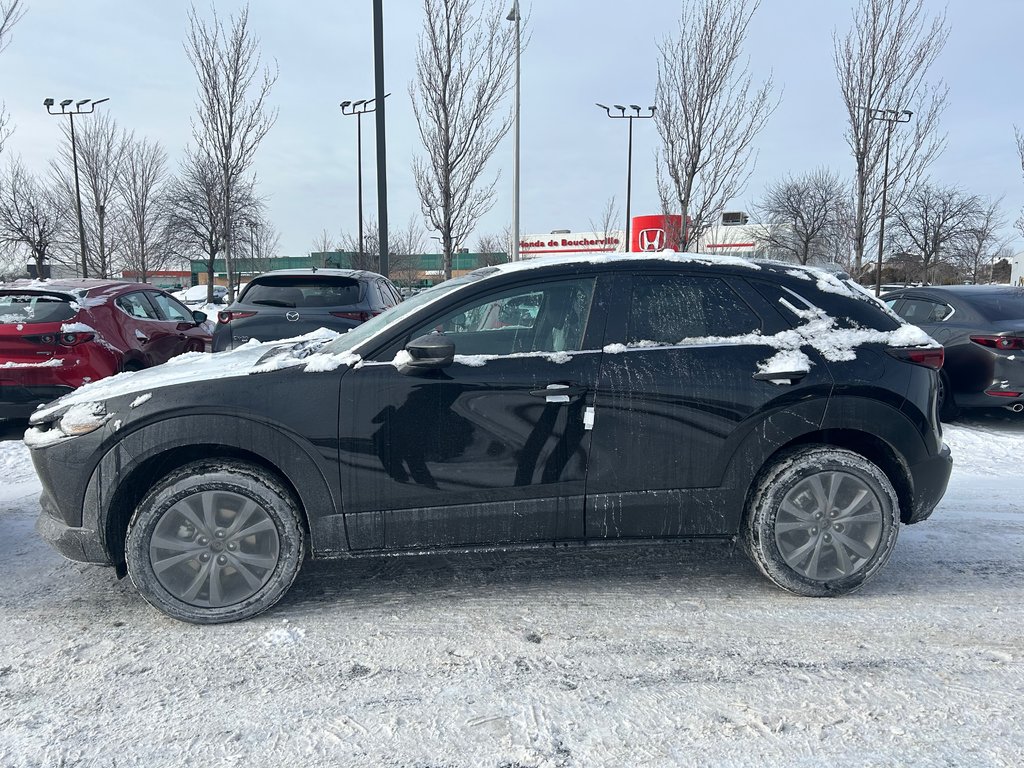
(56, 335)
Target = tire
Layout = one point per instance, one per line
(130, 366)
(948, 409)
(209, 510)
(804, 553)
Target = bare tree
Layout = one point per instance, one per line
(32, 216)
(323, 243)
(141, 185)
(195, 210)
(931, 220)
(11, 12)
(369, 258)
(801, 217)
(1020, 153)
(607, 223)
(882, 64)
(407, 245)
(981, 243)
(232, 112)
(708, 112)
(101, 147)
(264, 245)
(464, 63)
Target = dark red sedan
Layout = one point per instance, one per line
(56, 335)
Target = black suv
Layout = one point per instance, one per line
(292, 302)
(577, 401)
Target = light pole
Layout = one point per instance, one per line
(380, 125)
(629, 156)
(360, 108)
(70, 114)
(514, 17)
(890, 117)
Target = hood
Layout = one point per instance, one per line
(250, 358)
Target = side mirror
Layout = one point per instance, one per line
(199, 317)
(431, 352)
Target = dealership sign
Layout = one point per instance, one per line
(649, 233)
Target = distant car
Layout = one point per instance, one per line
(56, 335)
(196, 296)
(292, 302)
(982, 328)
(573, 402)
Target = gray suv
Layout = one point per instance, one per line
(292, 302)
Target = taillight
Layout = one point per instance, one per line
(73, 339)
(227, 315)
(929, 357)
(360, 317)
(1002, 393)
(46, 338)
(999, 342)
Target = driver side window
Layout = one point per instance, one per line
(550, 317)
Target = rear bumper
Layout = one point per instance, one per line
(930, 480)
(18, 401)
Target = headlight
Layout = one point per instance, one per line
(49, 427)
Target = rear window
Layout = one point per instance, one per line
(29, 308)
(303, 291)
(1000, 306)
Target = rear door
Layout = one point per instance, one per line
(143, 329)
(677, 392)
(492, 449)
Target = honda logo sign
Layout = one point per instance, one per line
(651, 239)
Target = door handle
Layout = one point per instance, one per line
(559, 393)
(779, 377)
(140, 335)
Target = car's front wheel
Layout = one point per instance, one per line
(215, 541)
(821, 521)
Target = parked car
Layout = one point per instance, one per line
(290, 302)
(646, 399)
(982, 328)
(56, 335)
(197, 295)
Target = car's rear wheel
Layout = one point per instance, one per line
(948, 409)
(821, 521)
(215, 541)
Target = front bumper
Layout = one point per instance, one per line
(80, 544)
(930, 480)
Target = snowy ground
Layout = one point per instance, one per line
(656, 656)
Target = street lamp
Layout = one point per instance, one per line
(890, 117)
(515, 17)
(70, 114)
(629, 154)
(360, 108)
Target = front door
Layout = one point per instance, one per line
(492, 449)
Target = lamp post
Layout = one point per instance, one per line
(515, 17)
(890, 117)
(360, 108)
(629, 155)
(70, 114)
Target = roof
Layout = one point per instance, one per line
(969, 291)
(75, 286)
(313, 271)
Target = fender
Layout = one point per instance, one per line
(204, 435)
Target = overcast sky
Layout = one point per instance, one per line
(573, 157)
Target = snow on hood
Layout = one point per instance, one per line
(250, 358)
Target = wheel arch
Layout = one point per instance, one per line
(132, 465)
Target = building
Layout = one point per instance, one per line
(168, 279)
(417, 271)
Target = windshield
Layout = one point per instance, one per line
(1004, 305)
(349, 341)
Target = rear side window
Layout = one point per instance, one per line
(923, 311)
(137, 305)
(669, 308)
(27, 308)
(303, 291)
(849, 311)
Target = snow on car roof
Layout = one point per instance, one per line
(617, 258)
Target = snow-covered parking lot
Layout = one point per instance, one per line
(651, 656)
